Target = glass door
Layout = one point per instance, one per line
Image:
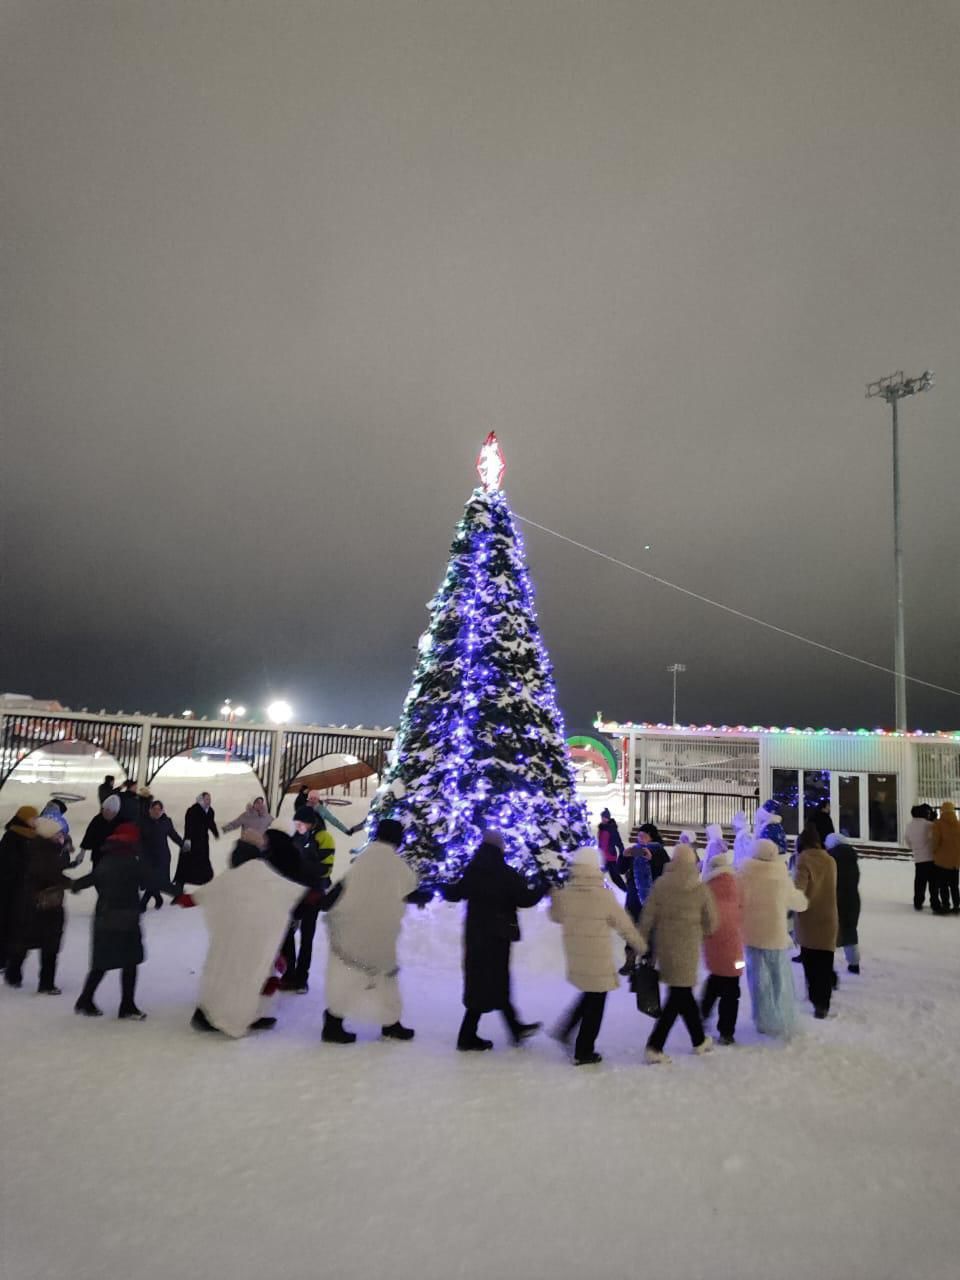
(847, 804)
(864, 806)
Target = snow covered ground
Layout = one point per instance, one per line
(150, 1151)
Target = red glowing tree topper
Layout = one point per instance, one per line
(491, 463)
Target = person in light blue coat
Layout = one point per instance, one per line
(766, 895)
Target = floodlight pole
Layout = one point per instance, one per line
(675, 668)
(893, 389)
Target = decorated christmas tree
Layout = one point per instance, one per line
(481, 739)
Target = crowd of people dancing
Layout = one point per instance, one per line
(731, 910)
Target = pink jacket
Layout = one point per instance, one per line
(723, 949)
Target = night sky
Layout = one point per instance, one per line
(271, 271)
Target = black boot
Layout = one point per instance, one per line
(397, 1031)
(87, 1008)
(200, 1021)
(130, 1013)
(473, 1044)
(525, 1030)
(334, 1031)
(262, 1024)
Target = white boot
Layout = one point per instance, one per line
(653, 1056)
(705, 1045)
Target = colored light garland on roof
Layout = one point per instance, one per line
(610, 726)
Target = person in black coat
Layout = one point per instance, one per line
(493, 893)
(106, 788)
(823, 822)
(848, 899)
(116, 941)
(193, 865)
(17, 835)
(38, 917)
(156, 830)
(130, 806)
(100, 826)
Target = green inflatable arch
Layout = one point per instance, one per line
(595, 746)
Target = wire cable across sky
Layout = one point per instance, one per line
(737, 613)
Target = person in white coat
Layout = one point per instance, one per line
(766, 895)
(363, 927)
(247, 910)
(918, 836)
(589, 913)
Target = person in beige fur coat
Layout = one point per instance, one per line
(588, 913)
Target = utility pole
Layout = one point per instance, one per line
(675, 668)
(893, 389)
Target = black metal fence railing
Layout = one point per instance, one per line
(692, 808)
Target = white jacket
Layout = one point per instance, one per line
(364, 923)
(588, 912)
(766, 895)
(919, 837)
(247, 910)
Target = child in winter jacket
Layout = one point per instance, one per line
(723, 949)
(587, 911)
(766, 895)
(678, 915)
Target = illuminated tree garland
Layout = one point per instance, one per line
(481, 739)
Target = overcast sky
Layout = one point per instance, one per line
(271, 271)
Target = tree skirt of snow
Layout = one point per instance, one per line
(151, 1151)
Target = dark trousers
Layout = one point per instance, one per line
(680, 1004)
(727, 991)
(48, 968)
(587, 1014)
(947, 881)
(471, 1022)
(298, 966)
(818, 971)
(924, 881)
(128, 986)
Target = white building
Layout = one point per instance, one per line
(693, 775)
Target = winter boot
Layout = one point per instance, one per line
(727, 1040)
(588, 1060)
(262, 1024)
(88, 1009)
(397, 1031)
(705, 1045)
(525, 1030)
(653, 1056)
(473, 1044)
(200, 1021)
(131, 1013)
(853, 968)
(333, 1030)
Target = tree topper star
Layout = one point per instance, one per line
(490, 463)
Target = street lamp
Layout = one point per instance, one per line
(229, 712)
(280, 712)
(675, 669)
(894, 388)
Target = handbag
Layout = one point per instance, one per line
(645, 985)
